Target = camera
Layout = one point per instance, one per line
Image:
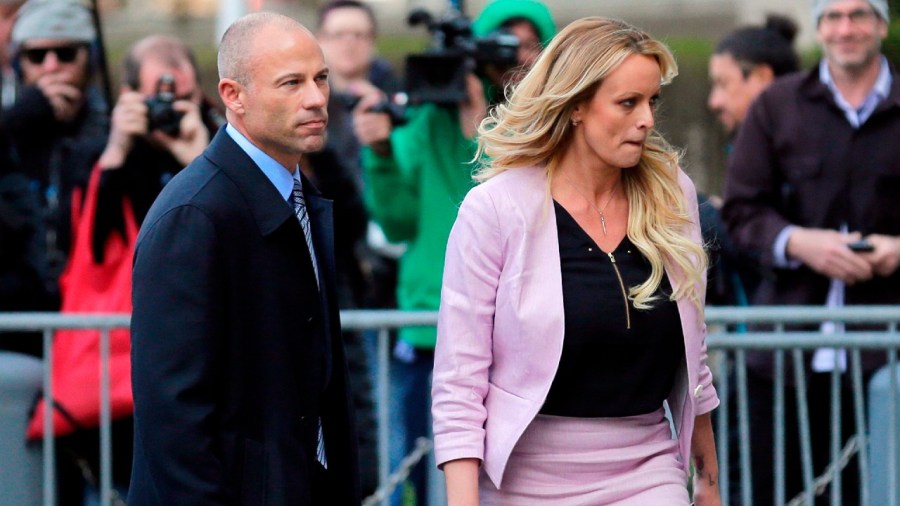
(393, 105)
(160, 114)
(439, 74)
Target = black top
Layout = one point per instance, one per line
(606, 369)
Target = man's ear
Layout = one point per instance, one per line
(232, 94)
(763, 73)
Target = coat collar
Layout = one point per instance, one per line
(268, 208)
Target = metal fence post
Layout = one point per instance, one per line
(20, 463)
(883, 436)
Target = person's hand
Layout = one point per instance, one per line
(706, 494)
(372, 128)
(129, 119)
(192, 138)
(474, 109)
(826, 252)
(363, 88)
(64, 97)
(886, 257)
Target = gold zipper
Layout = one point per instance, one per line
(624, 294)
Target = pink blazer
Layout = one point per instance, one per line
(500, 328)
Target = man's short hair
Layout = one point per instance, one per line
(169, 50)
(234, 60)
(333, 5)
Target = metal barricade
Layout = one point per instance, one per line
(730, 346)
(780, 341)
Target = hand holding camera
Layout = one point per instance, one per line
(172, 124)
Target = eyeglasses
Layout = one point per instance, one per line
(353, 35)
(65, 54)
(856, 17)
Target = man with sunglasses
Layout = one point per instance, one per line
(815, 167)
(56, 129)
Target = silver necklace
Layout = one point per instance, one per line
(591, 202)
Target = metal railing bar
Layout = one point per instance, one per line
(778, 422)
(767, 341)
(836, 428)
(803, 422)
(105, 423)
(743, 427)
(861, 432)
(383, 410)
(49, 412)
(892, 417)
(722, 432)
(801, 314)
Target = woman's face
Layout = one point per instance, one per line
(614, 124)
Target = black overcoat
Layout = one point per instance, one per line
(235, 351)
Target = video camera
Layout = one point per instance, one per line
(439, 74)
(160, 113)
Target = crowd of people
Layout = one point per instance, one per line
(540, 212)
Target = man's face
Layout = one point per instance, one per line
(528, 52)
(850, 33)
(348, 40)
(63, 58)
(732, 92)
(152, 70)
(284, 104)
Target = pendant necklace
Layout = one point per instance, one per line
(591, 202)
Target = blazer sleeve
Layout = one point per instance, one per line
(708, 399)
(177, 370)
(464, 332)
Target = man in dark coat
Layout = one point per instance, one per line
(815, 167)
(239, 378)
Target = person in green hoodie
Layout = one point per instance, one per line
(415, 177)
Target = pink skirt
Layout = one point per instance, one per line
(591, 462)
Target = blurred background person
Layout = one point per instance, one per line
(814, 169)
(161, 121)
(347, 31)
(572, 302)
(743, 64)
(416, 175)
(51, 135)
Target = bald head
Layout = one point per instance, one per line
(235, 51)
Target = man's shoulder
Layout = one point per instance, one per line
(201, 185)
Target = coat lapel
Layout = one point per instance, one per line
(269, 210)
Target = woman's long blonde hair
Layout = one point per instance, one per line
(534, 128)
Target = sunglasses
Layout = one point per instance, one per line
(65, 54)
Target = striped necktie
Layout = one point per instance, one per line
(303, 216)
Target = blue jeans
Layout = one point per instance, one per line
(410, 416)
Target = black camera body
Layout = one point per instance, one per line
(160, 113)
(439, 74)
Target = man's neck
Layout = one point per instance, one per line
(855, 84)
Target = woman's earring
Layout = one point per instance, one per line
(574, 122)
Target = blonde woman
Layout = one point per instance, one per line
(572, 304)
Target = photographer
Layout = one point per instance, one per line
(416, 176)
(160, 123)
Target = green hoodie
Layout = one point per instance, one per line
(415, 193)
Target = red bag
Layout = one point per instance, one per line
(88, 287)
